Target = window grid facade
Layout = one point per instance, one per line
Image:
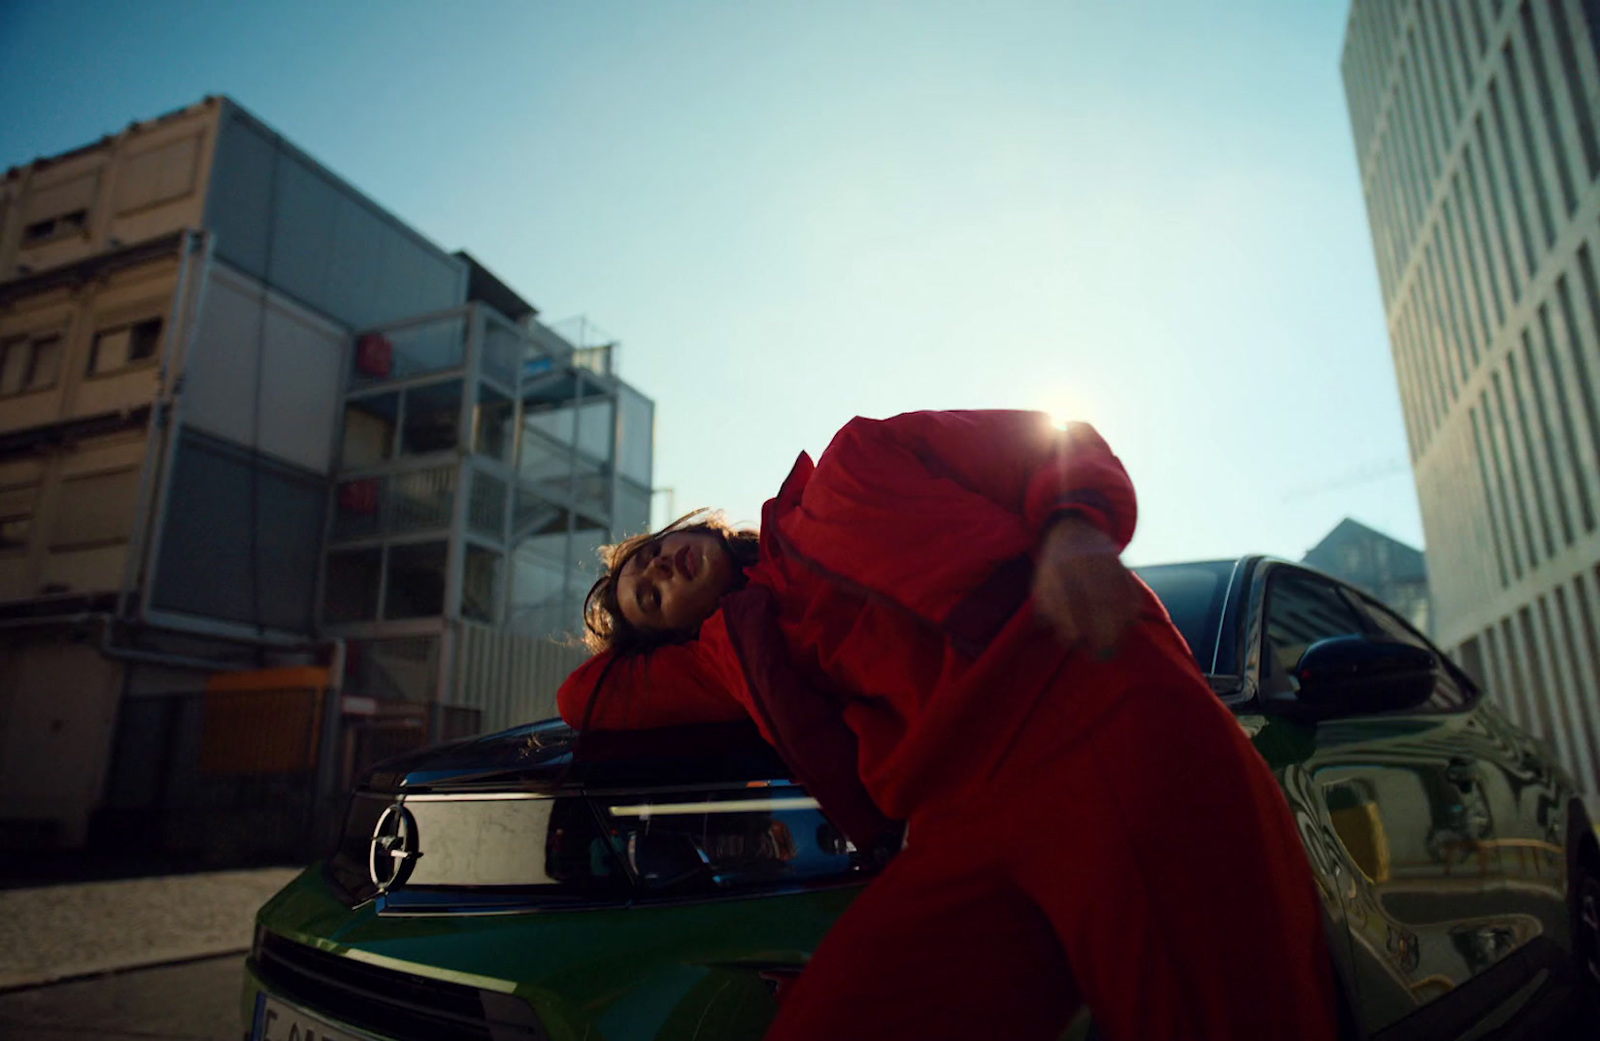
(1474, 125)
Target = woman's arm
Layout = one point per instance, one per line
(1019, 461)
(933, 509)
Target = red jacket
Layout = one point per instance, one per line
(885, 637)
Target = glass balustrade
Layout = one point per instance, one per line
(547, 441)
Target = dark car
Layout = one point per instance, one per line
(669, 884)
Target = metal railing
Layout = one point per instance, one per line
(486, 505)
(395, 503)
(415, 348)
(232, 778)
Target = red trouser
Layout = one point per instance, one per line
(1149, 869)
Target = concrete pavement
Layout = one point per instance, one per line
(191, 1001)
(53, 933)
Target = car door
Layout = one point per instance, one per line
(1411, 829)
(1514, 781)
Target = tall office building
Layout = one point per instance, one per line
(1474, 126)
(284, 486)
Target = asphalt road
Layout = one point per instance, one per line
(192, 1001)
(186, 1002)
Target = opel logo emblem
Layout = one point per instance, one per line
(393, 852)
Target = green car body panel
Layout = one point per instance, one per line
(1442, 840)
(1434, 877)
(693, 968)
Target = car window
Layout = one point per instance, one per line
(1193, 595)
(1451, 693)
(1301, 609)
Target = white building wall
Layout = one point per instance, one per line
(57, 708)
(76, 388)
(140, 183)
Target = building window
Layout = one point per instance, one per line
(596, 421)
(29, 363)
(124, 346)
(493, 428)
(417, 500)
(359, 503)
(352, 586)
(637, 440)
(486, 509)
(480, 585)
(52, 228)
(58, 210)
(16, 516)
(369, 425)
(432, 418)
(415, 586)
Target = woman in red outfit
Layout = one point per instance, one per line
(935, 628)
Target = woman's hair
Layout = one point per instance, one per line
(605, 628)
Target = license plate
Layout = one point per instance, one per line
(277, 1020)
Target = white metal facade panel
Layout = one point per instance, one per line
(301, 372)
(241, 537)
(301, 387)
(511, 679)
(238, 203)
(282, 217)
(359, 237)
(302, 234)
(219, 380)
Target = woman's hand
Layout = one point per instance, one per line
(1080, 588)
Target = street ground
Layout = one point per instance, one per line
(191, 1001)
(63, 932)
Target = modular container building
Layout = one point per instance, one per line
(249, 420)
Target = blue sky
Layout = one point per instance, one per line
(1144, 215)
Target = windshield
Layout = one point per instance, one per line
(1193, 595)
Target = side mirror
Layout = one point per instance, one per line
(1356, 674)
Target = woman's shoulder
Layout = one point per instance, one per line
(698, 680)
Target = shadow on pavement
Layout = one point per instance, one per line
(192, 1001)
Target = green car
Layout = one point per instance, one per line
(541, 884)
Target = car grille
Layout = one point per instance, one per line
(400, 1005)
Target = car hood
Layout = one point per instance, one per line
(551, 756)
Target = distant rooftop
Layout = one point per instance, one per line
(1353, 543)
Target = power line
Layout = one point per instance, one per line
(1351, 479)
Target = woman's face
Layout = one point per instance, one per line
(674, 583)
